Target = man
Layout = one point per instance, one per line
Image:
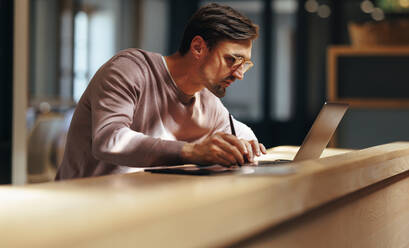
(142, 109)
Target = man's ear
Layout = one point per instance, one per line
(198, 47)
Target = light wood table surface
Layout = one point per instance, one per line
(346, 199)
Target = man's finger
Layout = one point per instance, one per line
(263, 149)
(221, 156)
(229, 150)
(256, 147)
(250, 155)
(245, 144)
(233, 140)
(222, 160)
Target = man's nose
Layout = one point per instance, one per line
(239, 73)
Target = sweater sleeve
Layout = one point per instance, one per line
(114, 98)
(223, 124)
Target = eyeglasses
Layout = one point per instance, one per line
(235, 62)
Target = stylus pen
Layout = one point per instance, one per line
(233, 131)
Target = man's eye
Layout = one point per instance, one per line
(230, 60)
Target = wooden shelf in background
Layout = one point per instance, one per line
(334, 52)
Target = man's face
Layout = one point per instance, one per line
(225, 62)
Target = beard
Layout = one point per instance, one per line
(217, 90)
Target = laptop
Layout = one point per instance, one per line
(320, 133)
(312, 147)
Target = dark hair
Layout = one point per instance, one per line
(215, 22)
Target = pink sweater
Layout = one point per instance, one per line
(133, 115)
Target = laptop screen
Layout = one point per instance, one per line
(321, 131)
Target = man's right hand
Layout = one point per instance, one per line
(220, 148)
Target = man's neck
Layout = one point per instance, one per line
(183, 70)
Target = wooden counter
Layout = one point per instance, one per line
(353, 199)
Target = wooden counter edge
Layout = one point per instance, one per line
(220, 210)
(240, 216)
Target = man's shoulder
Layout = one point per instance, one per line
(137, 55)
(133, 61)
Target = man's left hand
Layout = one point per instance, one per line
(254, 149)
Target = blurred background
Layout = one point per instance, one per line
(308, 52)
